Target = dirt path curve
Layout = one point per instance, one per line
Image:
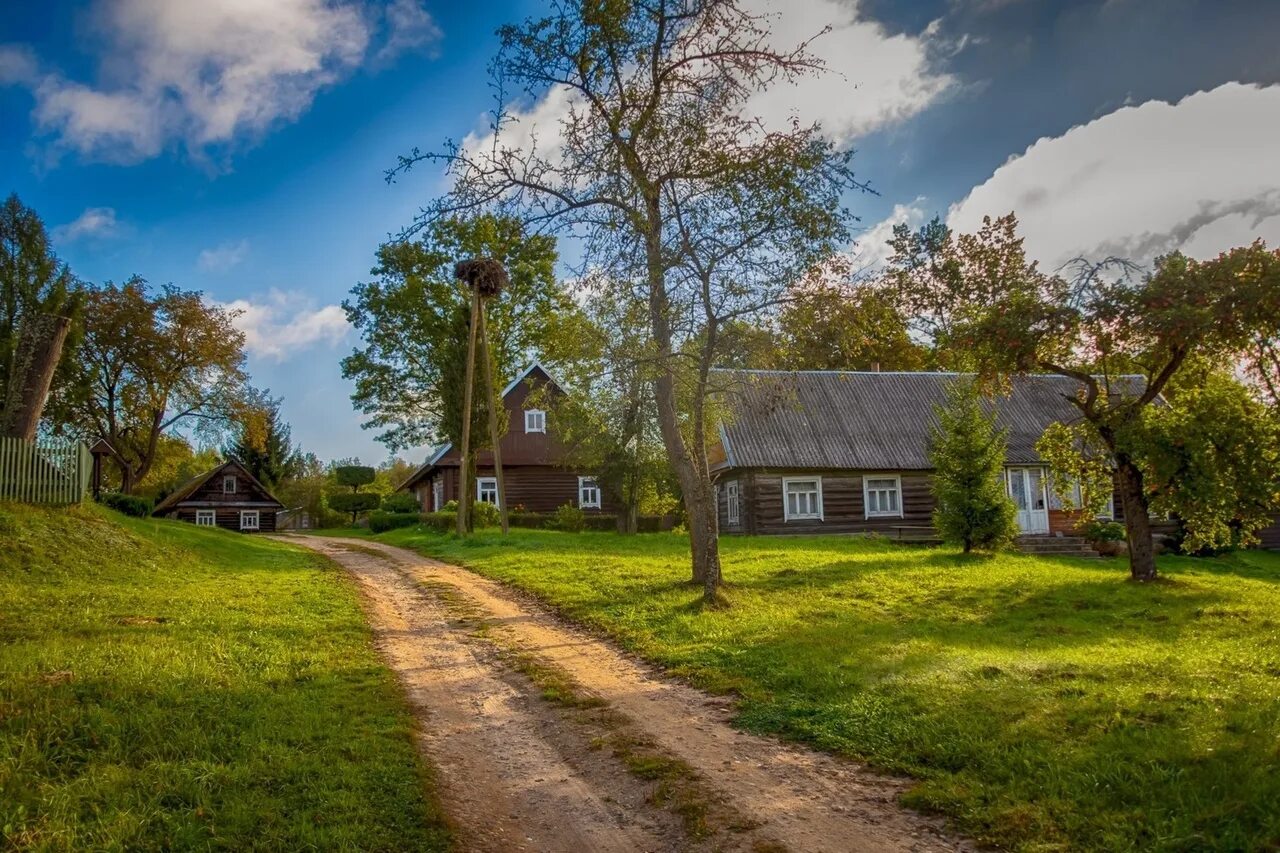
(508, 774)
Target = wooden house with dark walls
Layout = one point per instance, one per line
(533, 461)
(848, 452)
(227, 496)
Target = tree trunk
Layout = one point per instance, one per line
(1137, 520)
(463, 504)
(35, 359)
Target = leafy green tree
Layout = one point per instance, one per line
(983, 303)
(176, 462)
(967, 451)
(694, 206)
(353, 476)
(844, 326)
(152, 363)
(305, 488)
(32, 281)
(262, 441)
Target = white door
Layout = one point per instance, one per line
(1027, 489)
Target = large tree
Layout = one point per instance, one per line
(152, 362)
(846, 325)
(661, 164)
(262, 440)
(986, 306)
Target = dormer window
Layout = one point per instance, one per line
(535, 420)
(229, 485)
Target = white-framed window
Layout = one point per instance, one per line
(248, 519)
(732, 510)
(882, 496)
(801, 498)
(229, 485)
(588, 493)
(206, 517)
(535, 420)
(437, 495)
(487, 490)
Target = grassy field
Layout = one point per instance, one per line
(164, 686)
(1043, 704)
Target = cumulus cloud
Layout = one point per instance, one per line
(206, 73)
(94, 223)
(1200, 175)
(223, 257)
(871, 248)
(872, 79)
(284, 323)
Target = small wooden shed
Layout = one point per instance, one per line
(227, 496)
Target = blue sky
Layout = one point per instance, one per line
(238, 148)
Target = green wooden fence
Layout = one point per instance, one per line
(48, 471)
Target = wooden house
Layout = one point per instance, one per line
(533, 461)
(228, 497)
(828, 451)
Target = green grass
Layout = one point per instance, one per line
(164, 686)
(1043, 704)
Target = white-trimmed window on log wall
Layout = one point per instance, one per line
(801, 498)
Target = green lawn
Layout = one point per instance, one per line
(164, 686)
(1042, 703)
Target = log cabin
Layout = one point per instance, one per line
(533, 461)
(848, 452)
(227, 496)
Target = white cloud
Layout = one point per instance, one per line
(1201, 175)
(282, 324)
(223, 257)
(871, 248)
(872, 79)
(206, 73)
(94, 223)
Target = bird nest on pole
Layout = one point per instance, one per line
(483, 275)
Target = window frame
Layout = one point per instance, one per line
(786, 505)
(257, 519)
(732, 504)
(867, 514)
(542, 416)
(235, 486)
(480, 483)
(582, 484)
(437, 494)
(210, 514)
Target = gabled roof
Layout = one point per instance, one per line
(193, 485)
(438, 454)
(876, 421)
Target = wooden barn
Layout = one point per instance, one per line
(829, 451)
(228, 497)
(532, 461)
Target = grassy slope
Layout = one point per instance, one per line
(167, 686)
(1044, 704)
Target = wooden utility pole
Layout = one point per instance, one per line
(485, 278)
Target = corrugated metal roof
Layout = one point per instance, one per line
(832, 419)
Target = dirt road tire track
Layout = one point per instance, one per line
(490, 740)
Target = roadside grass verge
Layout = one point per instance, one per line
(1042, 703)
(164, 686)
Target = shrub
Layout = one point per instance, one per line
(569, 518)
(127, 504)
(381, 522)
(1101, 530)
(400, 502)
(449, 506)
(443, 521)
(484, 514)
(354, 502)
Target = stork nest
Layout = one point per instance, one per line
(483, 275)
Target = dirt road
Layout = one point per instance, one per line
(519, 772)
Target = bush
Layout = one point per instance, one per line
(354, 502)
(484, 514)
(400, 502)
(569, 518)
(381, 522)
(1101, 530)
(127, 504)
(443, 521)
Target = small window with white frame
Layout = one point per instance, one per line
(206, 517)
(588, 493)
(487, 490)
(732, 510)
(801, 498)
(535, 420)
(882, 496)
(229, 484)
(248, 519)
